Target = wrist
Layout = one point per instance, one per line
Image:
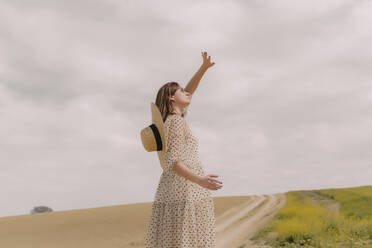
(198, 179)
(204, 67)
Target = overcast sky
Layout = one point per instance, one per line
(287, 106)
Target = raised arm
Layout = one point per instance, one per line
(194, 82)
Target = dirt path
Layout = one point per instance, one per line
(236, 226)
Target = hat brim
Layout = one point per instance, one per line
(158, 121)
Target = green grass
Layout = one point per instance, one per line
(311, 219)
(354, 201)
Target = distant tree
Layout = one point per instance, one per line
(41, 209)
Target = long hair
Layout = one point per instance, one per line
(163, 98)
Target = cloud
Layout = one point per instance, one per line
(286, 106)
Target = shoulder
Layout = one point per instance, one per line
(175, 122)
(171, 118)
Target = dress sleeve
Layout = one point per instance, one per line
(175, 143)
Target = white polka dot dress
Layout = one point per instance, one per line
(183, 211)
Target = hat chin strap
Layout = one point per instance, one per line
(155, 130)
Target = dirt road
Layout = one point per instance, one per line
(236, 226)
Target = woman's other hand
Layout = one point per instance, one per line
(209, 182)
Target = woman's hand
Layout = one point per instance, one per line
(207, 61)
(209, 182)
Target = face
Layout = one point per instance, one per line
(181, 98)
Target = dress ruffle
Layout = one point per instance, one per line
(182, 225)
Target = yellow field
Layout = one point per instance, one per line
(323, 218)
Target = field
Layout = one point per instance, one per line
(322, 218)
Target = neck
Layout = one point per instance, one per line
(177, 110)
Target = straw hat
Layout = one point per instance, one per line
(153, 137)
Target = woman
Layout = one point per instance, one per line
(183, 211)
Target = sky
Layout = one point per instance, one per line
(287, 105)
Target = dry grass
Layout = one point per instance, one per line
(113, 226)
